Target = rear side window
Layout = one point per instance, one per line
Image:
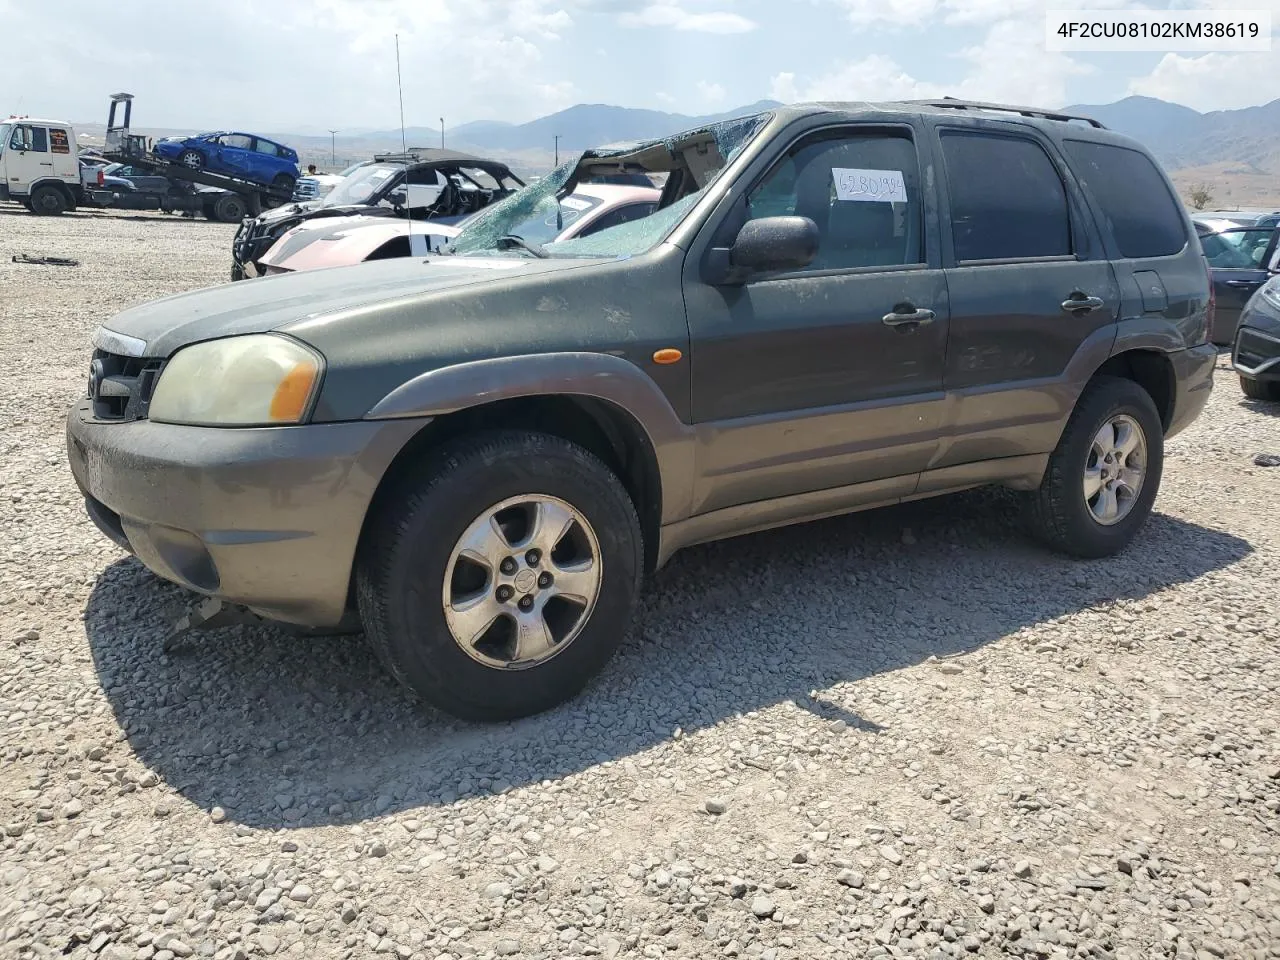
(1007, 200)
(59, 142)
(267, 147)
(1139, 211)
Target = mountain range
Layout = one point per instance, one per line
(1223, 147)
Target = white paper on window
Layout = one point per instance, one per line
(869, 186)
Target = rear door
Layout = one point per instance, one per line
(266, 160)
(1028, 283)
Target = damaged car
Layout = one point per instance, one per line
(590, 208)
(420, 185)
(478, 456)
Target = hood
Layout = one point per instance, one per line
(342, 241)
(275, 303)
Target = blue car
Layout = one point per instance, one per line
(244, 155)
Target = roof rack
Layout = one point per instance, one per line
(949, 103)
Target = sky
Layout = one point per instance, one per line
(306, 66)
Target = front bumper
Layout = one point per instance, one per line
(1193, 382)
(1256, 354)
(264, 517)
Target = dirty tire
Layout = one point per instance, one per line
(405, 551)
(1266, 390)
(1058, 513)
(47, 201)
(192, 159)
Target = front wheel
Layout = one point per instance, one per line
(192, 159)
(1265, 390)
(1103, 476)
(47, 201)
(500, 575)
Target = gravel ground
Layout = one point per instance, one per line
(904, 733)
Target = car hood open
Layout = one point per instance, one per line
(275, 303)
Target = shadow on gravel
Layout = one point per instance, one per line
(284, 731)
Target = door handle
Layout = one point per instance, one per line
(45, 163)
(1079, 303)
(905, 313)
(1243, 283)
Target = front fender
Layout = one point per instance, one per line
(600, 376)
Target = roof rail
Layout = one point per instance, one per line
(949, 103)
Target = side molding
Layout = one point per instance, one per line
(600, 376)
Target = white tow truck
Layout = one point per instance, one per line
(40, 165)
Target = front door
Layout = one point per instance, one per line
(1239, 260)
(235, 154)
(831, 375)
(28, 158)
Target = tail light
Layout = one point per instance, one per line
(102, 178)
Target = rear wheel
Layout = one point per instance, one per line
(283, 183)
(192, 159)
(500, 576)
(48, 201)
(230, 209)
(1104, 474)
(1266, 390)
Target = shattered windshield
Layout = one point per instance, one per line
(362, 184)
(696, 158)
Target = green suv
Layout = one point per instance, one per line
(477, 456)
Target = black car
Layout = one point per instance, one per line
(421, 184)
(1256, 354)
(1241, 259)
(124, 187)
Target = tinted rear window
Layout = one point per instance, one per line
(1007, 200)
(1139, 211)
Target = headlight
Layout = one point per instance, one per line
(1271, 291)
(256, 380)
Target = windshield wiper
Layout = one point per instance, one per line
(515, 240)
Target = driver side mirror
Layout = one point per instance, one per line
(775, 243)
(765, 245)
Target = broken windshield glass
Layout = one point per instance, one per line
(695, 158)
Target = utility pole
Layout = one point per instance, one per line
(442, 133)
(333, 156)
(557, 149)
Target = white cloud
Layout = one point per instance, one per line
(1010, 65)
(668, 13)
(711, 94)
(1211, 81)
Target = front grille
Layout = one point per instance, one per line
(121, 387)
(306, 189)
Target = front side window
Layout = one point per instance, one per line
(237, 140)
(1138, 210)
(29, 138)
(862, 191)
(1007, 199)
(1241, 249)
